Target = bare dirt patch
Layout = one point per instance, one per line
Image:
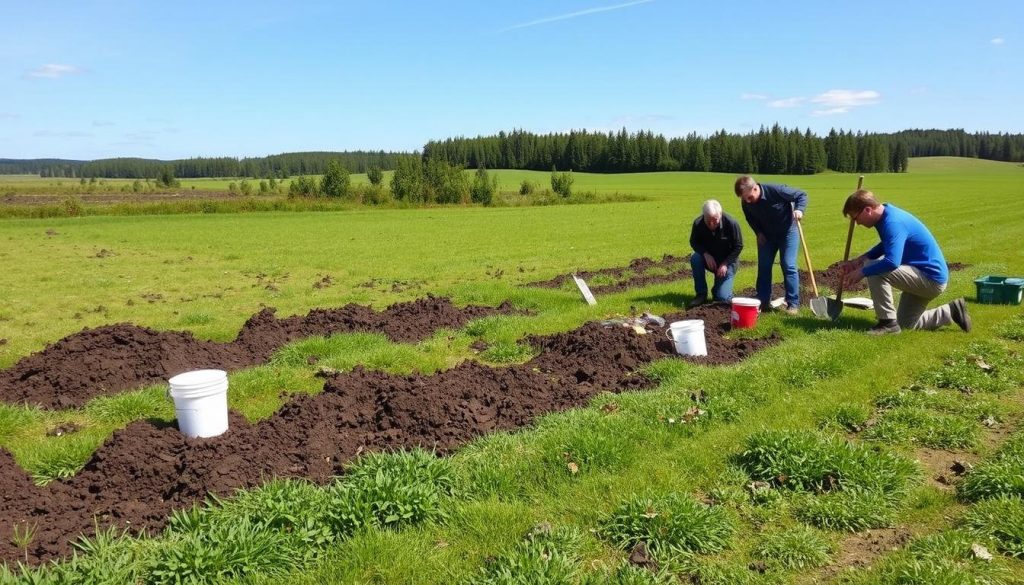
(113, 358)
(860, 550)
(146, 470)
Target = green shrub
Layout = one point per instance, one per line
(544, 557)
(911, 425)
(389, 491)
(850, 510)
(1002, 520)
(675, 523)
(796, 548)
(804, 460)
(999, 475)
(527, 187)
(561, 183)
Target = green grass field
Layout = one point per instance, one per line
(208, 273)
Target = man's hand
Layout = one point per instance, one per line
(853, 277)
(798, 215)
(851, 265)
(761, 239)
(722, 271)
(709, 261)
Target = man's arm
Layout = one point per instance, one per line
(752, 221)
(795, 196)
(891, 248)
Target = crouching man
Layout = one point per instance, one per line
(717, 242)
(907, 258)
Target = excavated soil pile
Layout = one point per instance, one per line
(144, 471)
(113, 358)
(828, 278)
(635, 274)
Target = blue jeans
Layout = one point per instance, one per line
(785, 247)
(722, 290)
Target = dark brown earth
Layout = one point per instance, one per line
(146, 470)
(113, 358)
(636, 274)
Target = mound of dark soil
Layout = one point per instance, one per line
(144, 471)
(113, 358)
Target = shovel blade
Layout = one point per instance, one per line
(834, 309)
(819, 306)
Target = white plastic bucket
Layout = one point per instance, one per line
(200, 402)
(688, 337)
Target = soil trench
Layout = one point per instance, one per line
(114, 358)
(146, 470)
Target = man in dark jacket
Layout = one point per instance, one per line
(717, 242)
(772, 212)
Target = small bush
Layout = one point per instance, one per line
(795, 548)
(847, 417)
(561, 183)
(671, 524)
(850, 510)
(544, 557)
(527, 187)
(1002, 520)
(909, 425)
(1000, 475)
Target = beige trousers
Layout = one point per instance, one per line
(917, 291)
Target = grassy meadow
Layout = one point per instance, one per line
(790, 411)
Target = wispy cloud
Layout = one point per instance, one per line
(53, 71)
(631, 120)
(753, 96)
(102, 123)
(830, 112)
(61, 134)
(8, 116)
(786, 102)
(847, 98)
(578, 13)
(997, 41)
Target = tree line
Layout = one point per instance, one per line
(772, 150)
(278, 166)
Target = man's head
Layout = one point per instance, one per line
(747, 189)
(712, 211)
(863, 208)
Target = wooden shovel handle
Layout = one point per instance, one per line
(807, 258)
(849, 240)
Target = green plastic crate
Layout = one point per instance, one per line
(1000, 290)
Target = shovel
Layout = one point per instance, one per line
(807, 259)
(831, 308)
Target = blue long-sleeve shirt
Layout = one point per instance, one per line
(772, 213)
(906, 241)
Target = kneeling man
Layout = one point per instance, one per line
(716, 241)
(907, 258)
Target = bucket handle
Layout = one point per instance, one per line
(668, 334)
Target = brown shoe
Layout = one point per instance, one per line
(792, 310)
(958, 311)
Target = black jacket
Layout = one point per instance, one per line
(724, 244)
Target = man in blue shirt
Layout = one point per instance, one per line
(717, 242)
(772, 212)
(907, 258)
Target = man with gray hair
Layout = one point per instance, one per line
(717, 242)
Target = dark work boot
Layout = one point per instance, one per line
(696, 302)
(885, 327)
(958, 310)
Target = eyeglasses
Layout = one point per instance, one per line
(854, 218)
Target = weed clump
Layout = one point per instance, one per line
(998, 476)
(668, 525)
(1001, 520)
(544, 556)
(796, 548)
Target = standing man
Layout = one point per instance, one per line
(907, 258)
(772, 212)
(717, 242)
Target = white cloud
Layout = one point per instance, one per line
(53, 71)
(8, 116)
(786, 102)
(997, 41)
(753, 96)
(830, 112)
(574, 14)
(846, 98)
(102, 123)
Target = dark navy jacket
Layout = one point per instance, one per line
(724, 244)
(772, 214)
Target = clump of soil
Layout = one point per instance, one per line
(146, 470)
(113, 358)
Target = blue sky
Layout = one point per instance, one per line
(167, 80)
